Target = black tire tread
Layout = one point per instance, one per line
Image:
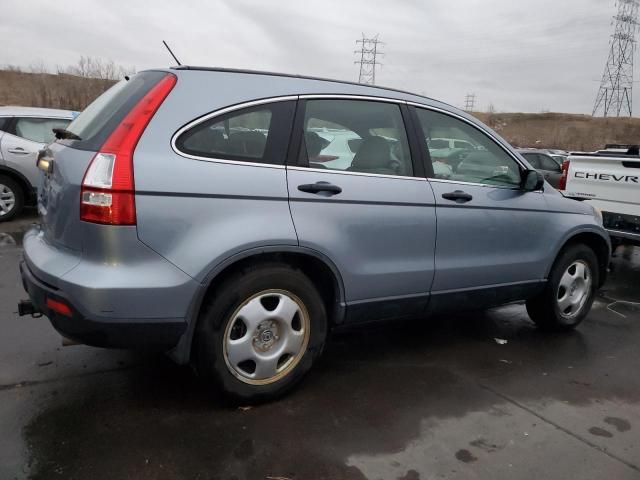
(19, 194)
(542, 308)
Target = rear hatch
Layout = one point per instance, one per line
(59, 199)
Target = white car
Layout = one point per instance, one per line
(23, 132)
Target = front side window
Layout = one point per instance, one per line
(257, 134)
(39, 130)
(355, 136)
(482, 161)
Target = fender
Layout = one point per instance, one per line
(585, 228)
(181, 353)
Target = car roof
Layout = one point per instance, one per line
(14, 111)
(303, 85)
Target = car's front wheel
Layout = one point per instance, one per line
(11, 198)
(260, 332)
(570, 290)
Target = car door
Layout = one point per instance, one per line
(369, 210)
(25, 136)
(491, 233)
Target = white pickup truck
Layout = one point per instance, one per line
(610, 180)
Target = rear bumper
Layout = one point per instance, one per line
(146, 334)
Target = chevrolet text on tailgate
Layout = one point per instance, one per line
(610, 180)
(232, 218)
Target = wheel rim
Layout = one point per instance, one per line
(266, 337)
(574, 289)
(7, 200)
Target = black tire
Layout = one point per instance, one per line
(218, 311)
(18, 194)
(544, 309)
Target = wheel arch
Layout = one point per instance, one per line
(318, 267)
(20, 179)
(600, 244)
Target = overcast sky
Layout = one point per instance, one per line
(519, 55)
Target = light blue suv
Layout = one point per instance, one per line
(196, 211)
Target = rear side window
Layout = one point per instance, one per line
(38, 130)
(532, 158)
(548, 163)
(355, 136)
(4, 121)
(100, 118)
(258, 134)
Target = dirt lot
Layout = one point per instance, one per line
(432, 398)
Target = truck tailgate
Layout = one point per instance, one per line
(612, 184)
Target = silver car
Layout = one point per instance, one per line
(23, 132)
(186, 210)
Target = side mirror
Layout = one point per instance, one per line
(532, 180)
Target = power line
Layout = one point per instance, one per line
(470, 102)
(369, 51)
(615, 96)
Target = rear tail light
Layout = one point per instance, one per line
(562, 185)
(108, 190)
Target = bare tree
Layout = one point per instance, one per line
(94, 67)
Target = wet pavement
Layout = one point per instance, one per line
(425, 399)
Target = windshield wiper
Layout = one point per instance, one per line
(62, 133)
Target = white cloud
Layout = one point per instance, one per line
(527, 55)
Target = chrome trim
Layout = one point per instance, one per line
(361, 174)
(229, 162)
(345, 96)
(479, 127)
(217, 113)
(461, 182)
(623, 234)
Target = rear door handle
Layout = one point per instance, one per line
(18, 150)
(320, 188)
(457, 196)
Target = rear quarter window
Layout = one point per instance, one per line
(257, 134)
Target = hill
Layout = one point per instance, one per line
(561, 130)
(61, 90)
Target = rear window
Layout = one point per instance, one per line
(99, 119)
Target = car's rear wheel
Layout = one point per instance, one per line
(260, 332)
(11, 198)
(570, 290)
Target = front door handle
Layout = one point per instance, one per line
(18, 151)
(320, 188)
(457, 196)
